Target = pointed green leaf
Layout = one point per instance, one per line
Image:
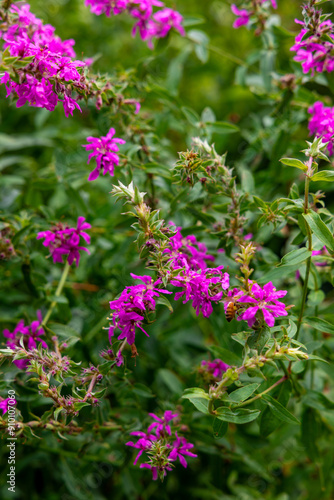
(324, 176)
(237, 416)
(296, 257)
(243, 393)
(293, 162)
(279, 410)
(219, 428)
(319, 228)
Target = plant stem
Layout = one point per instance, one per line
(211, 407)
(57, 294)
(259, 396)
(308, 262)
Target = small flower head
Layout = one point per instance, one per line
(6, 403)
(162, 445)
(63, 240)
(214, 368)
(30, 335)
(260, 304)
(104, 150)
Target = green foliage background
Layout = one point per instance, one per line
(44, 177)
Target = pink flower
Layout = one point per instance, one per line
(31, 334)
(131, 306)
(264, 300)
(321, 123)
(50, 72)
(6, 403)
(161, 425)
(149, 24)
(157, 442)
(202, 287)
(180, 448)
(314, 44)
(187, 251)
(243, 16)
(216, 368)
(104, 149)
(63, 240)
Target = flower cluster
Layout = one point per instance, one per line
(50, 71)
(105, 150)
(149, 24)
(187, 252)
(109, 355)
(321, 123)
(29, 335)
(64, 240)
(7, 250)
(157, 442)
(258, 305)
(244, 15)
(215, 368)
(202, 287)
(315, 43)
(132, 305)
(5, 403)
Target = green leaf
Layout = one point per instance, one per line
(318, 401)
(225, 355)
(317, 358)
(219, 428)
(59, 300)
(320, 324)
(293, 162)
(162, 300)
(202, 53)
(20, 233)
(309, 433)
(269, 422)
(296, 256)
(319, 228)
(63, 330)
(57, 412)
(142, 390)
(223, 127)
(191, 115)
(195, 393)
(237, 416)
(243, 393)
(78, 406)
(201, 405)
(258, 339)
(171, 381)
(192, 20)
(323, 175)
(279, 410)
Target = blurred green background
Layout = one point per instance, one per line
(44, 178)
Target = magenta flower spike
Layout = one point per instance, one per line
(216, 368)
(31, 335)
(131, 306)
(314, 46)
(262, 299)
(149, 24)
(63, 240)
(45, 78)
(162, 445)
(104, 150)
(321, 123)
